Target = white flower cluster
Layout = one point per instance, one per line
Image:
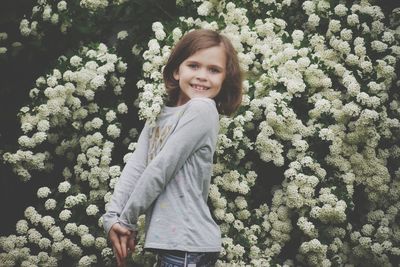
(337, 118)
(45, 13)
(300, 187)
(235, 128)
(64, 94)
(315, 253)
(3, 37)
(94, 5)
(332, 210)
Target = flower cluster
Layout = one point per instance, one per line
(314, 104)
(69, 102)
(45, 12)
(64, 95)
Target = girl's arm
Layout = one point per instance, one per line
(198, 124)
(126, 183)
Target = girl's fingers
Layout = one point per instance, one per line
(131, 243)
(117, 257)
(117, 246)
(121, 237)
(124, 242)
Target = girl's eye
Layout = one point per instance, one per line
(213, 70)
(193, 66)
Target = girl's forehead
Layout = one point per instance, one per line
(214, 53)
(219, 48)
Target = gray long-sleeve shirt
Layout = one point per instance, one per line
(168, 178)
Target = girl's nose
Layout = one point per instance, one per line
(201, 74)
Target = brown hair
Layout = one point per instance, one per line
(230, 97)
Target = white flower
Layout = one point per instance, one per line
(341, 10)
(136, 50)
(22, 227)
(113, 131)
(97, 81)
(50, 204)
(353, 20)
(157, 26)
(379, 46)
(160, 35)
(97, 123)
(86, 261)
(44, 243)
(65, 215)
(377, 27)
(34, 236)
(71, 228)
(121, 68)
(238, 225)
(111, 116)
(94, 5)
(313, 20)
(176, 35)
(46, 13)
(92, 210)
(297, 36)
(122, 108)
(388, 37)
(3, 36)
(43, 125)
(100, 243)
(47, 222)
(43, 192)
(205, 8)
(62, 5)
(122, 35)
(54, 18)
(309, 7)
(56, 233)
(229, 218)
(87, 240)
(75, 61)
(64, 187)
(346, 34)
(24, 27)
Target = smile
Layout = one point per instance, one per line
(199, 87)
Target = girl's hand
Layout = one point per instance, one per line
(127, 243)
(132, 242)
(120, 239)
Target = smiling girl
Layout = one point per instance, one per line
(168, 176)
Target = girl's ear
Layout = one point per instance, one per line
(176, 74)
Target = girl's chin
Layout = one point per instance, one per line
(197, 94)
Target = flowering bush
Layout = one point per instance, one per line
(307, 170)
(74, 119)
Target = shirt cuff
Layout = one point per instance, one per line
(108, 221)
(132, 227)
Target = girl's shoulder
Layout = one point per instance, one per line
(202, 103)
(205, 107)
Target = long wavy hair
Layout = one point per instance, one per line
(230, 97)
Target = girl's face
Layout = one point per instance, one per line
(201, 74)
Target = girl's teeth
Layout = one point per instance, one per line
(199, 87)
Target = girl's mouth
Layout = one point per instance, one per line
(199, 87)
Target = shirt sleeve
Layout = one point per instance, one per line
(198, 123)
(126, 183)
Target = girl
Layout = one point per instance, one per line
(168, 175)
